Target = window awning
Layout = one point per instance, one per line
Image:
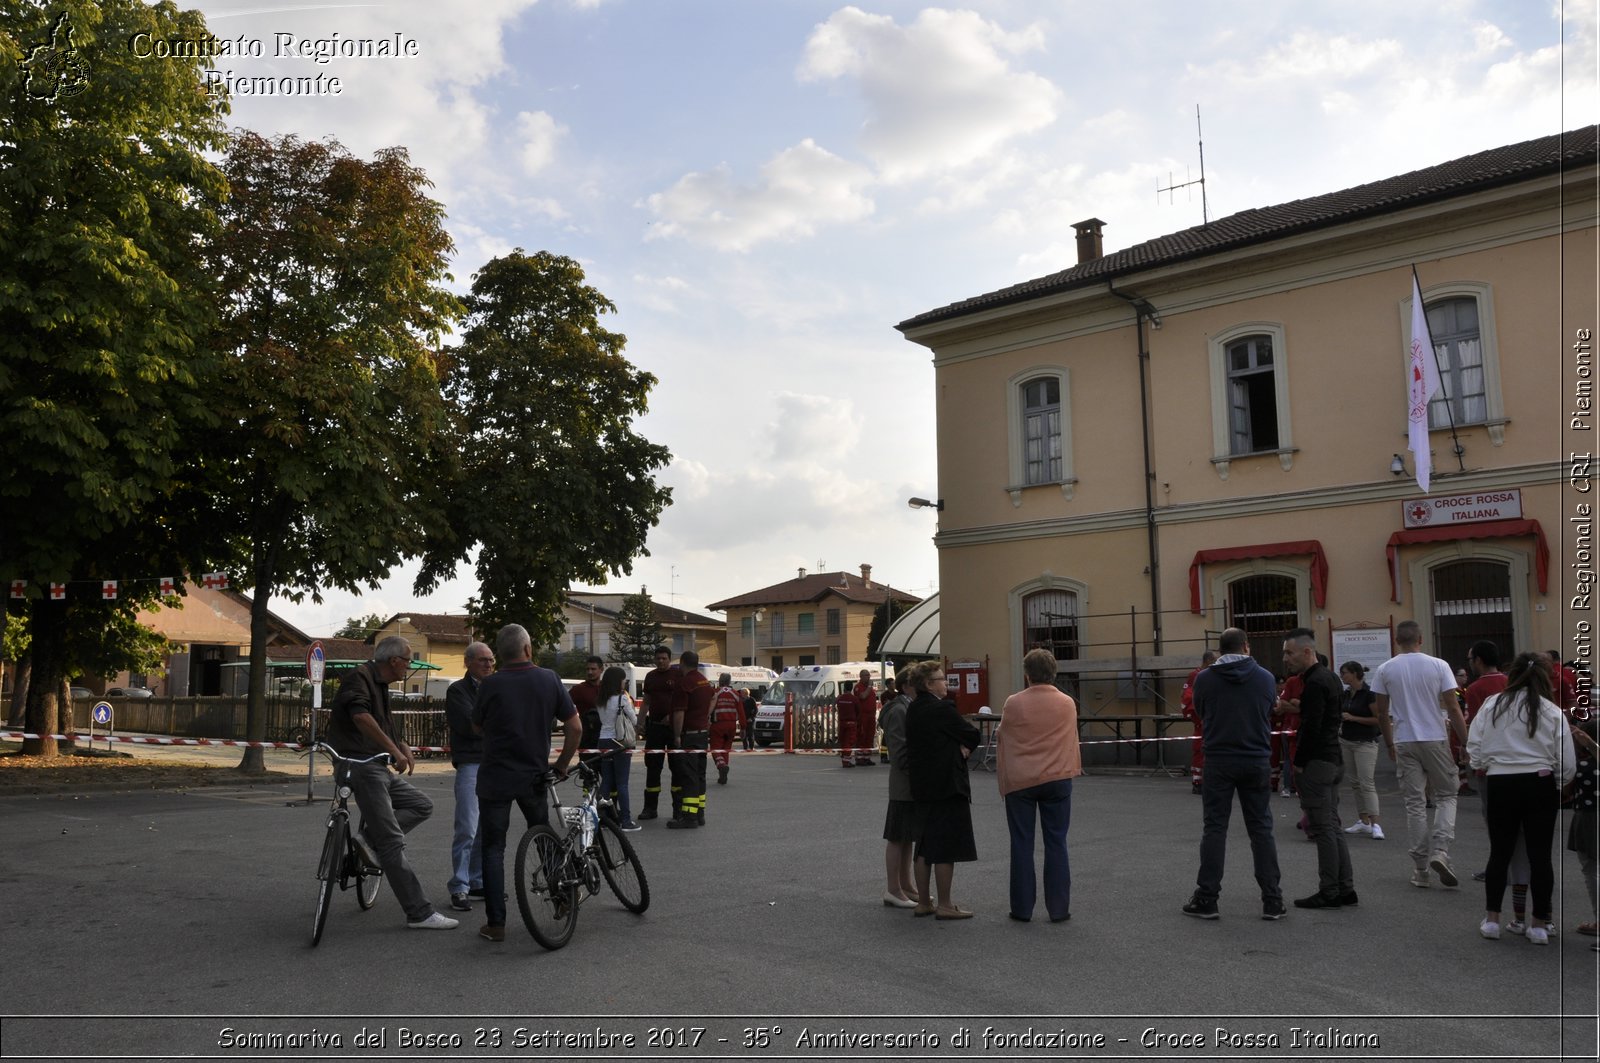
(1490, 529)
(1311, 548)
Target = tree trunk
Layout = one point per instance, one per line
(254, 759)
(65, 715)
(49, 670)
(19, 692)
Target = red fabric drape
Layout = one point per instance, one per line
(1491, 529)
(1303, 548)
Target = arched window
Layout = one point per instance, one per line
(1471, 601)
(1266, 608)
(1050, 620)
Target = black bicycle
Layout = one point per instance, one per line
(558, 872)
(341, 862)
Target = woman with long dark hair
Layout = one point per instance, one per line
(614, 762)
(1521, 741)
(1358, 743)
(938, 743)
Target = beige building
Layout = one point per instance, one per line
(1209, 429)
(815, 618)
(590, 614)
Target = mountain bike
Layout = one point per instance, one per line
(341, 862)
(558, 872)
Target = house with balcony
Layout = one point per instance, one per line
(815, 618)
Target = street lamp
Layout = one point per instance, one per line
(755, 618)
(923, 503)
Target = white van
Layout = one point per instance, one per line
(810, 683)
(756, 680)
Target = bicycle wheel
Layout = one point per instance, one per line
(328, 871)
(621, 867)
(547, 895)
(368, 882)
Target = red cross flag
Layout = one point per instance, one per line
(168, 587)
(17, 587)
(108, 589)
(58, 591)
(215, 581)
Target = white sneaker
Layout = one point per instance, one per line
(1376, 832)
(1358, 827)
(436, 921)
(1490, 930)
(1538, 935)
(1516, 926)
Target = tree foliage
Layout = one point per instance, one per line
(332, 269)
(106, 198)
(359, 627)
(636, 632)
(554, 486)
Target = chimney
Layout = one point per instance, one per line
(866, 574)
(802, 574)
(1088, 239)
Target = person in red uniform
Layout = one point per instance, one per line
(1563, 683)
(1483, 662)
(846, 704)
(1197, 752)
(586, 699)
(1286, 717)
(727, 721)
(866, 719)
(691, 727)
(660, 689)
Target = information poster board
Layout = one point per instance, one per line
(1371, 646)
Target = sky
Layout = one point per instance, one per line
(764, 188)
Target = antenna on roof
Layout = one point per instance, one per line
(1205, 214)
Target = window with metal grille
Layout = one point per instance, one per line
(1252, 395)
(833, 622)
(806, 624)
(1453, 325)
(833, 655)
(1266, 608)
(1041, 431)
(1050, 620)
(1471, 601)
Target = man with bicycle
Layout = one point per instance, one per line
(360, 726)
(516, 709)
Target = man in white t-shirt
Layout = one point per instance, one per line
(1416, 700)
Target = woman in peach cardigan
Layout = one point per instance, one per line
(1038, 758)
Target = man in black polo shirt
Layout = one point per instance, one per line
(660, 690)
(515, 711)
(1319, 768)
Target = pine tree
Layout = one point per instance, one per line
(636, 632)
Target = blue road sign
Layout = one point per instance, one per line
(102, 712)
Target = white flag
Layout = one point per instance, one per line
(1423, 384)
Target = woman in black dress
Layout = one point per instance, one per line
(938, 742)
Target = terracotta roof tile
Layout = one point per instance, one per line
(813, 588)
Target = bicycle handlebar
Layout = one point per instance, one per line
(334, 754)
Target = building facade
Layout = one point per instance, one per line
(815, 618)
(590, 614)
(1209, 430)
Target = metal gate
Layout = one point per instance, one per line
(1471, 601)
(1266, 608)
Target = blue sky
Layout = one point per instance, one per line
(765, 188)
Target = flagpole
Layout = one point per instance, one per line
(1449, 407)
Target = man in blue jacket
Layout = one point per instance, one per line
(1233, 701)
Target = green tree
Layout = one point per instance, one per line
(359, 627)
(332, 268)
(636, 632)
(554, 486)
(106, 199)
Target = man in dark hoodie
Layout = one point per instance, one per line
(1233, 700)
(1319, 768)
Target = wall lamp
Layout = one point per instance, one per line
(923, 503)
(1398, 466)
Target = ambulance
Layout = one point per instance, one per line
(810, 684)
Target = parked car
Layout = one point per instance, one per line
(83, 694)
(130, 692)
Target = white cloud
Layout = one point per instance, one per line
(801, 188)
(1311, 57)
(540, 133)
(940, 92)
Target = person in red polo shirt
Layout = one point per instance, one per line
(866, 719)
(1197, 753)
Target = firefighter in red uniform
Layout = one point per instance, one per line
(1286, 717)
(846, 704)
(866, 719)
(1197, 754)
(691, 726)
(727, 721)
(660, 688)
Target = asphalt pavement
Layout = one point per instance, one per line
(176, 925)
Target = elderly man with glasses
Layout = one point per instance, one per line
(466, 753)
(360, 725)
